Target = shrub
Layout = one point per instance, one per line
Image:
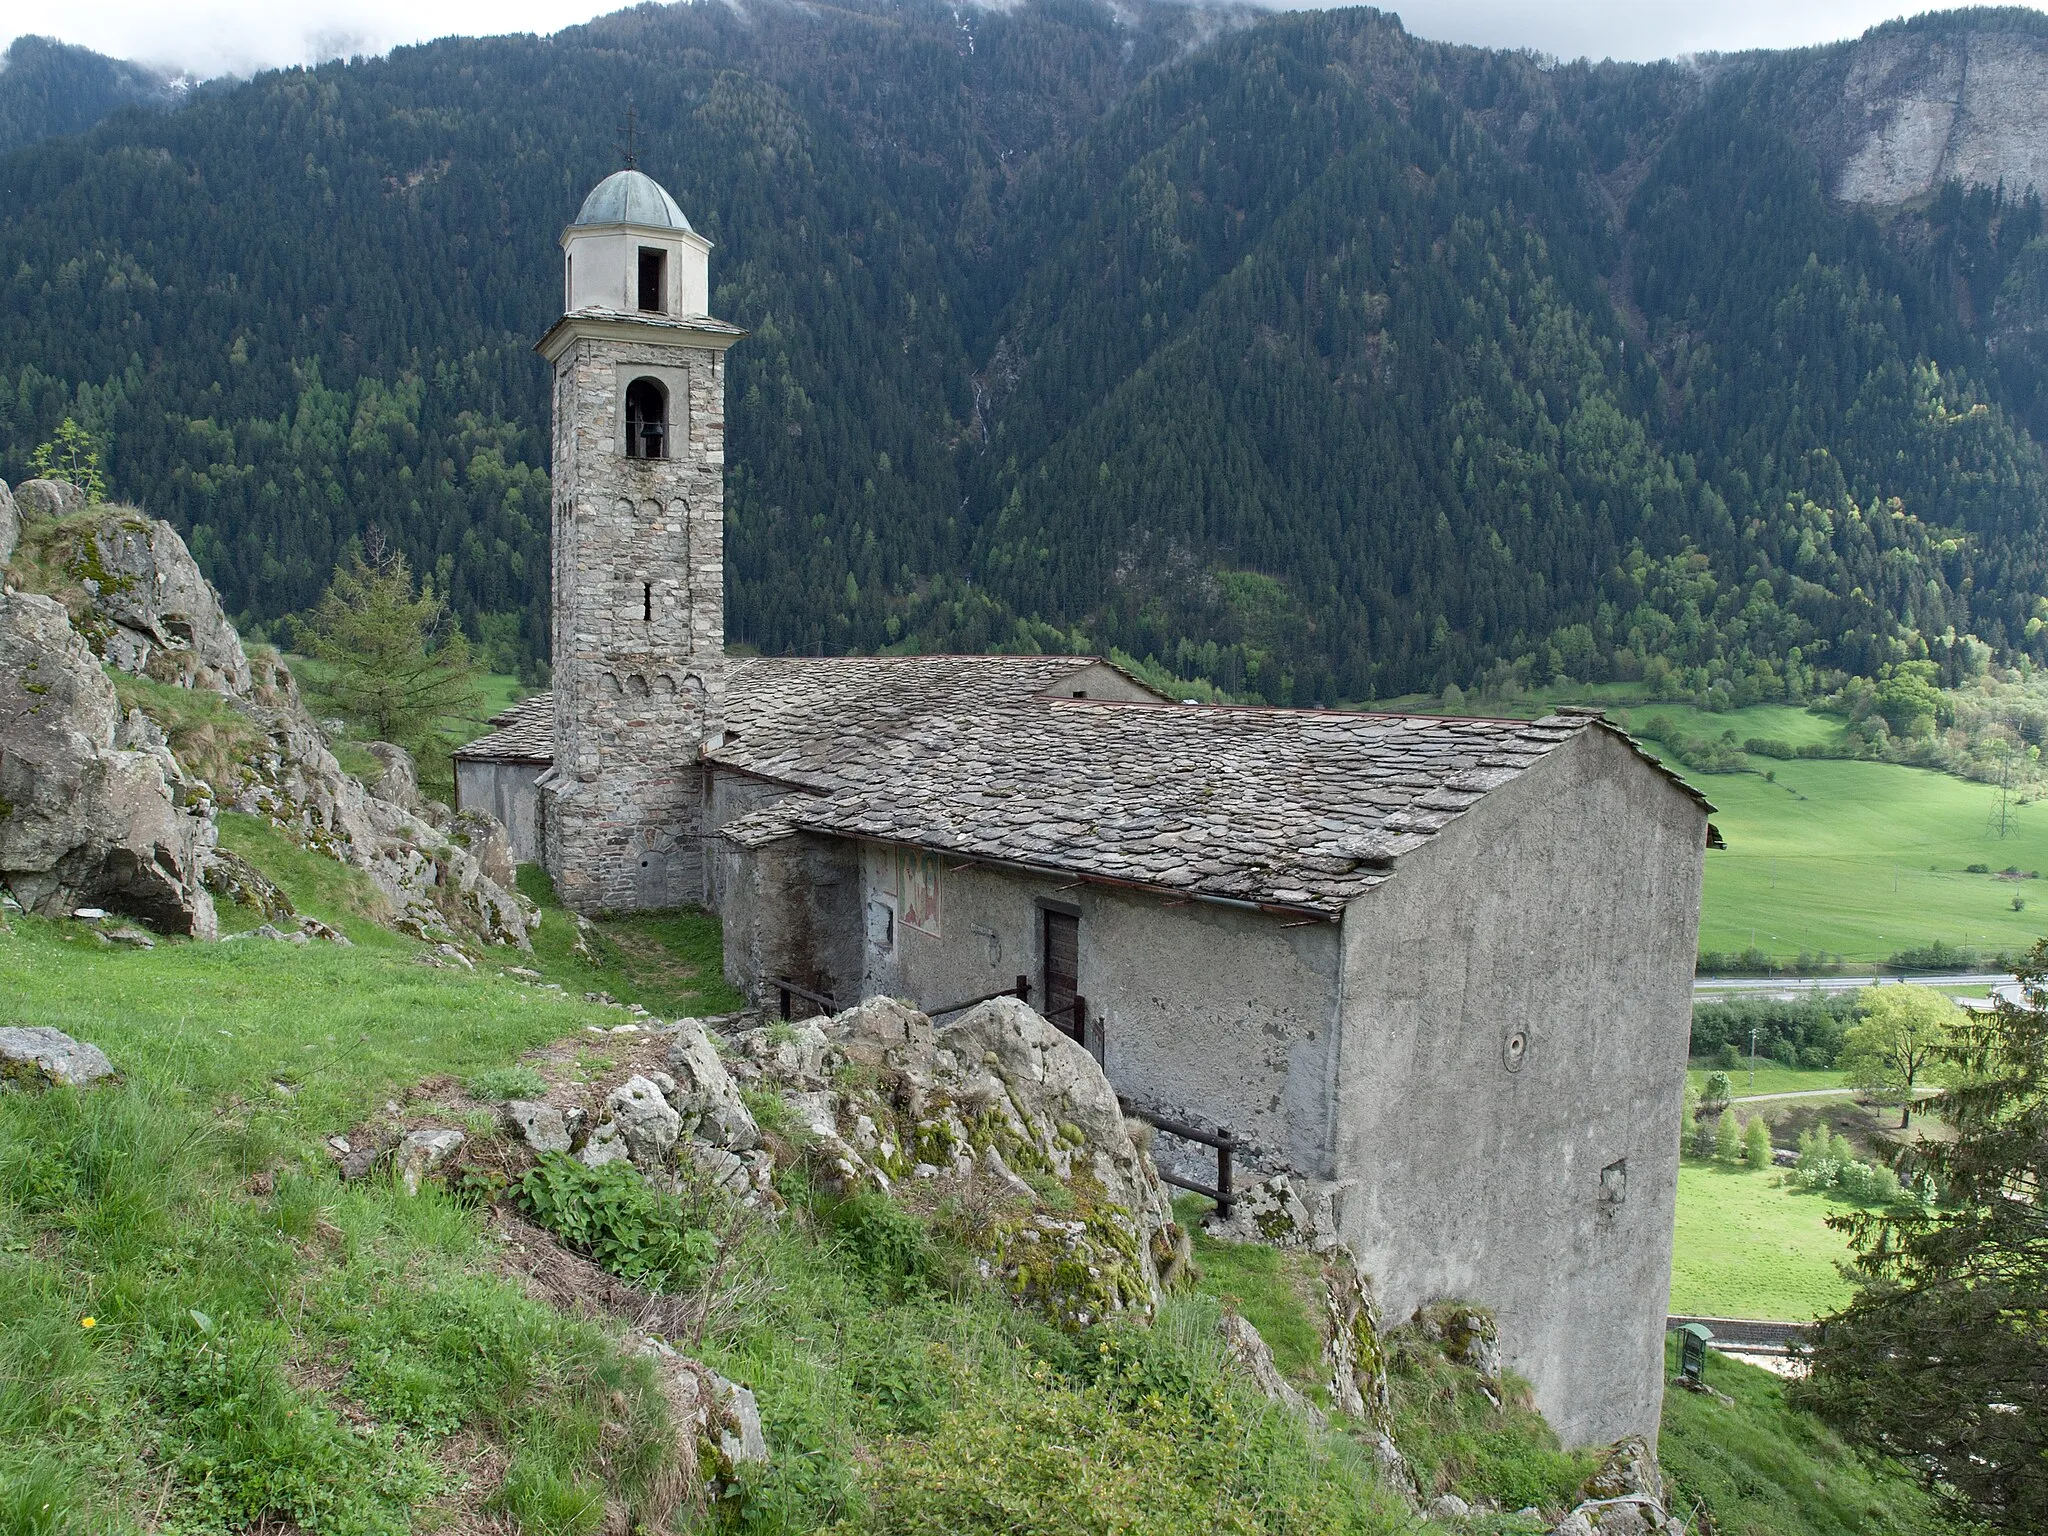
(1769, 746)
(1701, 1143)
(514, 1082)
(1717, 1089)
(883, 1237)
(1728, 1056)
(1727, 1139)
(1756, 1142)
(617, 1218)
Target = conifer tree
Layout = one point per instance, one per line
(1941, 1357)
(1727, 1139)
(400, 664)
(1756, 1142)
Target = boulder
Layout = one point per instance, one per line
(1001, 1097)
(83, 821)
(1629, 1470)
(1631, 1516)
(1249, 1351)
(705, 1095)
(1467, 1335)
(541, 1127)
(50, 1058)
(423, 1152)
(1284, 1210)
(10, 524)
(636, 1124)
(399, 780)
(156, 614)
(1450, 1508)
(708, 1413)
(488, 843)
(48, 499)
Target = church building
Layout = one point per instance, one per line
(1438, 969)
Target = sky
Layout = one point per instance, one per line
(211, 37)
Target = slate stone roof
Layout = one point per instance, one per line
(1297, 809)
(833, 722)
(1301, 810)
(525, 734)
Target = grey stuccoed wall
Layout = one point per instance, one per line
(506, 790)
(1201, 1011)
(1564, 907)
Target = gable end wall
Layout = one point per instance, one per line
(1565, 905)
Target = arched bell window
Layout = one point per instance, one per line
(646, 420)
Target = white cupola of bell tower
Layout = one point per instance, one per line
(631, 250)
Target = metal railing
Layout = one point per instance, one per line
(787, 990)
(1019, 989)
(1221, 1139)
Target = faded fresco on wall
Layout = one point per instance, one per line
(917, 887)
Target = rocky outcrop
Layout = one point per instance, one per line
(50, 1058)
(1920, 106)
(84, 819)
(438, 890)
(10, 524)
(152, 612)
(48, 499)
(135, 598)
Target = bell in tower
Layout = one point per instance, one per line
(639, 530)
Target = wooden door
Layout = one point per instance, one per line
(1062, 950)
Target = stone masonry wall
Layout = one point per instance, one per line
(639, 627)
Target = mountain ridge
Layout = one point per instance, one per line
(1296, 354)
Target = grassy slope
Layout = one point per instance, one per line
(1863, 859)
(1770, 1078)
(1761, 1468)
(1747, 1245)
(265, 1342)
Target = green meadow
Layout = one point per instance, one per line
(1866, 859)
(1747, 1244)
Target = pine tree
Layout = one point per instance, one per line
(1941, 1357)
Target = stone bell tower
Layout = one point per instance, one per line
(639, 532)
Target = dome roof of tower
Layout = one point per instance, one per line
(632, 197)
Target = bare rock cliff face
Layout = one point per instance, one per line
(1919, 108)
(97, 810)
(90, 814)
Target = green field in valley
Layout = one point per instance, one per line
(1866, 859)
(1770, 1078)
(1748, 1245)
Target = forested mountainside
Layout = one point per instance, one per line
(1287, 350)
(48, 87)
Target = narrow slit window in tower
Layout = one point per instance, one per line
(653, 278)
(647, 601)
(646, 420)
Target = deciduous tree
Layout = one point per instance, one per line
(1888, 1052)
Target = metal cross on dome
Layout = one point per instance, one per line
(628, 132)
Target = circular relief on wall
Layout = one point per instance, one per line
(1515, 1049)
